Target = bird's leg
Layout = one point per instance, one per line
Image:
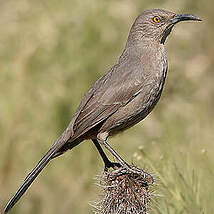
(111, 150)
(107, 162)
(123, 164)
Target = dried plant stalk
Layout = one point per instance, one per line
(124, 191)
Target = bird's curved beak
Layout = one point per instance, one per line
(184, 17)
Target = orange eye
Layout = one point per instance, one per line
(156, 19)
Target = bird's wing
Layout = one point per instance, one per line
(113, 90)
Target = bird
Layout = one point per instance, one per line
(120, 98)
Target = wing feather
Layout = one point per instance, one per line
(113, 90)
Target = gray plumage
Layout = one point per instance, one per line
(124, 95)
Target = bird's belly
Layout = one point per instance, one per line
(133, 112)
(136, 117)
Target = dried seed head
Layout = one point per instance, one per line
(124, 191)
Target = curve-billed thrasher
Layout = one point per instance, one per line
(121, 97)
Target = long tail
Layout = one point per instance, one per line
(36, 170)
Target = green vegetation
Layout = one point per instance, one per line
(51, 51)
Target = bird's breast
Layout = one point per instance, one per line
(155, 66)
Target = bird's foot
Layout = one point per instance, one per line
(125, 168)
(137, 171)
(113, 165)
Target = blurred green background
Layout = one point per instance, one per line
(51, 51)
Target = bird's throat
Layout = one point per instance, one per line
(166, 33)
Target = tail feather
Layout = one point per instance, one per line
(28, 180)
(36, 170)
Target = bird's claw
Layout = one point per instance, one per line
(113, 165)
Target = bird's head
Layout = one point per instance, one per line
(156, 25)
